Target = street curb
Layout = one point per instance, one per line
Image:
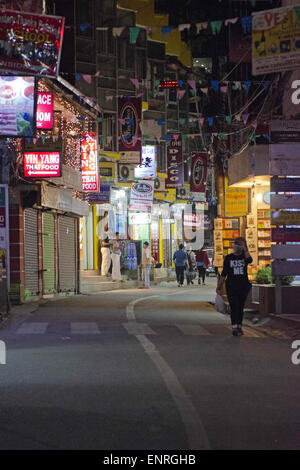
(21, 312)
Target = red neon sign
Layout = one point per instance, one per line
(89, 163)
(42, 164)
(44, 110)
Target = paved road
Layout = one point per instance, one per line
(153, 369)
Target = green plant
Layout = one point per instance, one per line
(264, 276)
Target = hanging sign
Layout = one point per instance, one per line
(275, 40)
(283, 235)
(141, 196)
(30, 43)
(130, 139)
(42, 164)
(285, 218)
(44, 110)
(280, 185)
(99, 198)
(89, 162)
(236, 201)
(198, 172)
(175, 178)
(147, 168)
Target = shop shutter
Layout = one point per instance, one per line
(48, 253)
(67, 254)
(31, 254)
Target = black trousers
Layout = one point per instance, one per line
(180, 274)
(237, 300)
(201, 273)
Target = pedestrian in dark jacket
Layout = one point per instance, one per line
(181, 260)
(237, 282)
(202, 264)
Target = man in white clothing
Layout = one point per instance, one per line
(115, 257)
(105, 252)
(146, 265)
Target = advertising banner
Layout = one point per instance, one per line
(284, 131)
(141, 196)
(42, 164)
(89, 162)
(284, 235)
(147, 168)
(285, 201)
(198, 172)
(30, 43)
(99, 198)
(130, 139)
(17, 117)
(236, 201)
(280, 185)
(276, 40)
(175, 178)
(44, 110)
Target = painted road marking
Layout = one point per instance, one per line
(84, 328)
(196, 434)
(193, 330)
(134, 328)
(32, 328)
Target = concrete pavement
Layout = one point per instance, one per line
(153, 369)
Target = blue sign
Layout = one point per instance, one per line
(101, 197)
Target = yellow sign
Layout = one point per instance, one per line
(236, 201)
(168, 195)
(276, 40)
(107, 170)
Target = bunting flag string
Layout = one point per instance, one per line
(215, 27)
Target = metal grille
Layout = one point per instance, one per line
(67, 254)
(48, 253)
(31, 255)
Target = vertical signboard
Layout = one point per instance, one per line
(175, 178)
(130, 140)
(4, 225)
(44, 110)
(89, 162)
(198, 172)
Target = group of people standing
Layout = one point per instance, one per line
(190, 262)
(111, 255)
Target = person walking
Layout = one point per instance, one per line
(105, 252)
(115, 257)
(181, 260)
(192, 261)
(237, 282)
(146, 266)
(202, 264)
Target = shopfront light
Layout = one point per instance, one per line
(258, 197)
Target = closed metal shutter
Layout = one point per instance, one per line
(31, 254)
(67, 254)
(48, 253)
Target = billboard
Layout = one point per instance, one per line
(89, 162)
(175, 178)
(17, 117)
(147, 168)
(30, 43)
(44, 110)
(141, 196)
(130, 140)
(42, 164)
(276, 40)
(198, 172)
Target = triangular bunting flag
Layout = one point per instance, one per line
(216, 26)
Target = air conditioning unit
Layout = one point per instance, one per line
(126, 172)
(159, 184)
(183, 193)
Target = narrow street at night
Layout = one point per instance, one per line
(145, 370)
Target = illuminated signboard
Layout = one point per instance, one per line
(44, 110)
(168, 84)
(89, 162)
(42, 164)
(147, 169)
(17, 106)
